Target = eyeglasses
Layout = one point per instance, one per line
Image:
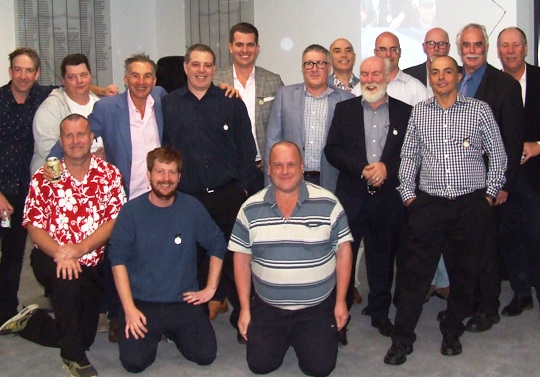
(320, 64)
(393, 50)
(432, 44)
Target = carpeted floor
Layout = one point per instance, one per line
(510, 349)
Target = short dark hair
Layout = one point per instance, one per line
(164, 154)
(523, 36)
(74, 59)
(201, 48)
(73, 118)
(454, 62)
(317, 48)
(30, 52)
(244, 28)
(140, 57)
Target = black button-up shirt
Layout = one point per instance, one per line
(214, 136)
(16, 138)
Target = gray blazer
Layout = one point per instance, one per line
(266, 86)
(287, 123)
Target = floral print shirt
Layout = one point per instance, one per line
(70, 210)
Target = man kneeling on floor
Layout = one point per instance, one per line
(293, 239)
(153, 256)
(70, 220)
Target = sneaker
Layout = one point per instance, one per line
(80, 369)
(18, 322)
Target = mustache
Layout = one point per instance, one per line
(473, 56)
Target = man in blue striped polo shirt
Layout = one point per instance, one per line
(292, 238)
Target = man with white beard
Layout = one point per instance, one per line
(364, 144)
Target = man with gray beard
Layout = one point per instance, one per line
(364, 144)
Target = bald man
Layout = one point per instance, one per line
(343, 57)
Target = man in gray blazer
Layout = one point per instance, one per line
(256, 85)
(302, 113)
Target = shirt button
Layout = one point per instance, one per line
(374, 141)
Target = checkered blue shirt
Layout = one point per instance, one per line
(448, 146)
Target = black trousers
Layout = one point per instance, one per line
(433, 221)
(381, 239)
(76, 305)
(223, 205)
(13, 242)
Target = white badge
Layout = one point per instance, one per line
(178, 240)
(225, 127)
(394, 132)
(466, 143)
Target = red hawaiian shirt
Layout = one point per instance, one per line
(70, 210)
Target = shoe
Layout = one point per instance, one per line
(239, 338)
(451, 345)
(385, 326)
(357, 297)
(215, 307)
(397, 354)
(18, 322)
(365, 311)
(103, 324)
(80, 369)
(480, 322)
(113, 330)
(342, 336)
(443, 293)
(442, 315)
(430, 293)
(517, 306)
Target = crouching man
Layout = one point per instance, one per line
(154, 261)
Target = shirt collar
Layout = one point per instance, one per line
(326, 93)
(478, 74)
(270, 196)
(366, 104)
(251, 75)
(131, 105)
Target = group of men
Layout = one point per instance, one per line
(414, 183)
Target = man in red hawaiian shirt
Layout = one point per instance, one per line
(70, 222)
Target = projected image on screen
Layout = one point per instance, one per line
(411, 19)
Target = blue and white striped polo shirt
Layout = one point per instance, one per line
(293, 260)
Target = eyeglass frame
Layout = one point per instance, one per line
(444, 44)
(393, 49)
(313, 64)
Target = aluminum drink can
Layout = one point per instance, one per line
(7, 222)
(53, 164)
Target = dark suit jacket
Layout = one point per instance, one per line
(419, 72)
(346, 150)
(532, 123)
(503, 94)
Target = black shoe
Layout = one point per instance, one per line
(397, 354)
(342, 336)
(517, 306)
(365, 311)
(451, 345)
(385, 326)
(442, 315)
(239, 338)
(481, 322)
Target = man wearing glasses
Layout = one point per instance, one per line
(401, 86)
(436, 43)
(302, 113)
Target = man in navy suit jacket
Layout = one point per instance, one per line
(368, 158)
(520, 223)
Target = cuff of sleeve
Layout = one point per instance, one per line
(492, 192)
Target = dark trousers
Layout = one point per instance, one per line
(488, 285)
(311, 332)
(13, 242)
(76, 305)
(186, 325)
(223, 205)
(520, 237)
(381, 239)
(434, 221)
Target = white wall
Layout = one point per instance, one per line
(286, 23)
(155, 27)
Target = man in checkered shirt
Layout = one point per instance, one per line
(446, 140)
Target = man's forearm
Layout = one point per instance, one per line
(43, 240)
(214, 272)
(343, 269)
(242, 278)
(123, 287)
(98, 238)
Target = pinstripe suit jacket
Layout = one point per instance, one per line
(266, 86)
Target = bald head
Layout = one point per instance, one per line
(387, 47)
(436, 43)
(342, 56)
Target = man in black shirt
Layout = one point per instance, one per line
(213, 133)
